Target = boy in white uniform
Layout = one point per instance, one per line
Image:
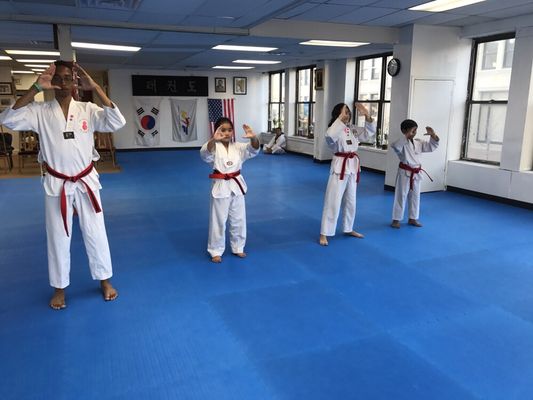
(65, 129)
(408, 178)
(343, 140)
(277, 144)
(229, 187)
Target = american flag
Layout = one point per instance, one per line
(218, 108)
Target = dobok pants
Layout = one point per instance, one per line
(94, 236)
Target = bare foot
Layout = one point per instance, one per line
(216, 259)
(323, 240)
(355, 234)
(108, 290)
(414, 222)
(395, 224)
(57, 302)
(241, 255)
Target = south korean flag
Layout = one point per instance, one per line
(147, 121)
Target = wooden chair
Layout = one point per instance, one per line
(29, 147)
(103, 143)
(6, 150)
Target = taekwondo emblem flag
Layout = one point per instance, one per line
(183, 120)
(147, 121)
(218, 108)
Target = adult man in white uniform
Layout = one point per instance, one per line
(65, 129)
(277, 144)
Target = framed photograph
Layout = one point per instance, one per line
(319, 79)
(239, 85)
(5, 88)
(220, 85)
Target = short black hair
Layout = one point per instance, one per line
(62, 63)
(407, 125)
(223, 120)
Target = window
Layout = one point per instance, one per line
(276, 100)
(373, 89)
(305, 102)
(488, 94)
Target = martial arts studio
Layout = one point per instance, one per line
(443, 311)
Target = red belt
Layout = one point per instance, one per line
(413, 172)
(346, 157)
(76, 178)
(232, 175)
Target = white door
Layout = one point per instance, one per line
(431, 105)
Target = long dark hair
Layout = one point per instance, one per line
(336, 112)
(224, 120)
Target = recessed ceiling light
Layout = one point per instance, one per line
(230, 67)
(36, 66)
(100, 46)
(443, 5)
(5, 58)
(33, 52)
(34, 61)
(22, 72)
(256, 62)
(243, 48)
(333, 43)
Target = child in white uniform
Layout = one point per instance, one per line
(343, 140)
(409, 171)
(229, 187)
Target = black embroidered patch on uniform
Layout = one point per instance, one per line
(68, 135)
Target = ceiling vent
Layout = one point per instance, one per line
(123, 5)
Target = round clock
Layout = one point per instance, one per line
(393, 67)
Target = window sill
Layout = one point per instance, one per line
(300, 139)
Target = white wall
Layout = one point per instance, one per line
(250, 108)
(431, 54)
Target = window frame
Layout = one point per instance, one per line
(311, 102)
(380, 102)
(470, 102)
(281, 102)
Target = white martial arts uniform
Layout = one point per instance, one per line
(408, 152)
(67, 146)
(277, 145)
(341, 138)
(227, 198)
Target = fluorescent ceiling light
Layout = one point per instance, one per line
(33, 52)
(36, 66)
(100, 46)
(5, 58)
(38, 69)
(333, 43)
(230, 67)
(22, 72)
(256, 62)
(35, 61)
(443, 5)
(243, 48)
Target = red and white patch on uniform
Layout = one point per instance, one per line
(84, 125)
(347, 130)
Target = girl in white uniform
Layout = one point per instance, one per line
(65, 129)
(228, 188)
(343, 140)
(409, 171)
(277, 144)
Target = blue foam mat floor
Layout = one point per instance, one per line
(441, 312)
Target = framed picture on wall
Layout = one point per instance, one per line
(5, 88)
(239, 85)
(220, 85)
(319, 79)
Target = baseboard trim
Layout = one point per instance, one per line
(498, 199)
(157, 149)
